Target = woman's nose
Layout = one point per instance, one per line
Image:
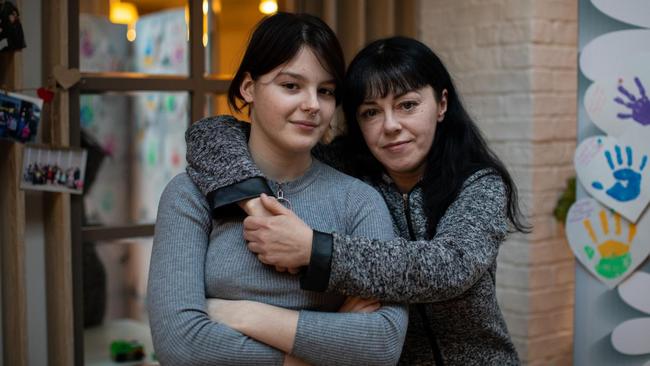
(311, 104)
(391, 124)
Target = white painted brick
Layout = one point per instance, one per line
(487, 35)
(554, 104)
(513, 300)
(550, 323)
(517, 9)
(541, 80)
(565, 272)
(554, 56)
(513, 252)
(565, 33)
(514, 32)
(555, 10)
(517, 324)
(556, 152)
(566, 81)
(517, 57)
(541, 31)
(540, 277)
(509, 276)
(549, 346)
(549, 251)
(552, 128)
(550, 299)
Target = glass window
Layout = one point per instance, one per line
(227, 27)
(115, 286)
(141, 136)
(141, 36)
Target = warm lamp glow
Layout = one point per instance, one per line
(130, 33)
(123, 13)
(204, 7)
(268, 6)
(216, 6)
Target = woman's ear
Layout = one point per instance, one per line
(442, 106)
(247, 88)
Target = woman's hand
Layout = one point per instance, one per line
(293, 361)
(282, 240)
(254, 207)
(355, 304)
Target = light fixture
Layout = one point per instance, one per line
(268, 7)
(124, 13)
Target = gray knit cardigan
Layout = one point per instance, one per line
(449, 279)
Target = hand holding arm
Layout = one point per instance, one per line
(282, 240)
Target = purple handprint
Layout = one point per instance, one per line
(640, 107)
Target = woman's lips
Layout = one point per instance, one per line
(396, 146)
(305, 125)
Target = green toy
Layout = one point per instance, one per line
(124, 351)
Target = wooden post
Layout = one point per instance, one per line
(56, 207)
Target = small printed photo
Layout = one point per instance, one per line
(53, 169)
(19, 116)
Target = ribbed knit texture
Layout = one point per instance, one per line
(194, 257)
(453, 273)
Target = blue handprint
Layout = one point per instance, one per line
(640, 107)
(628, 181)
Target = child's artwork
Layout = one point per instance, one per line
(614, 172)
(616, 104)
(608, 245)
(627, 11)
(631, 336)
(606, 55)
(19, 116)
(53, 169)
(162, 43)
(102, 45)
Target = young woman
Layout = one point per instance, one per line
(288, 79)
(450, 197)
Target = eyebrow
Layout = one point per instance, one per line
(302, 77)
(371, 101)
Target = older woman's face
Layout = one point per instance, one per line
(399, 129)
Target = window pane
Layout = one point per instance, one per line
(218, 104)
(227, 27)
(155, 40)
(142, 138)
(115, 283)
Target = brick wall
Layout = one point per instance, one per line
(515, 64)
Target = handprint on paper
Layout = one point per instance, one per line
(639, 107)
(628, 181)
(614, 249)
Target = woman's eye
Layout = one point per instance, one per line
(369, 113)
(408, 105)
(290, 86)
(327, 91)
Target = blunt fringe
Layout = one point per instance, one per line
(276, 40)
(395, 66)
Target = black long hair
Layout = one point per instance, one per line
(395, 66)
(276, 40)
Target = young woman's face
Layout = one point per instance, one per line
(399, 129)
(292, 105)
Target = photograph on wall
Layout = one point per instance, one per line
(12, 37)
(20, 116)
(53, 169)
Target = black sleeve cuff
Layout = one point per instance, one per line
(223, 201)
(317, 275)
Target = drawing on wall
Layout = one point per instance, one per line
(607, 244)
(621, 103)
(614, 172)
(625, 10)
(631, 336)
(616, 52)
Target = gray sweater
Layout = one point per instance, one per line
(449, 279)
(195, 258)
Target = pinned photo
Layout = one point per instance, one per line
(20, 116)
(12, 37)
(53, 169)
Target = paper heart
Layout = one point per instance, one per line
(67, 78)
(620, 102)
(607, 245)
(615, 172)
(631, 336)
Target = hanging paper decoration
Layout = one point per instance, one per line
(627, 11)
(632, 336)
(615, 173)
(612, 53)
(608, 245)
(618, 103)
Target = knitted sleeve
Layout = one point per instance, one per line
(356, 338)
(465, 246)
(182, 331)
